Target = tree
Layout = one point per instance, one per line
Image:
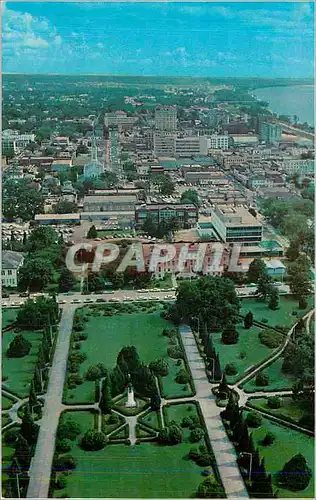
(117, 280)
(118, 380)
(63, 445)
(264, 287)
(20, 199)
(29, 430)
(298, 272)
(19, 347)
(190, 196)
(248, 321)
(41, 238)
(257, 269)
(65, 207)
(210, 488)
(93, 441)
(159, 367)
(23, 452)
(268, 439)
(296, 474)
(106, 403)
(196, 434)
(262, 379)
(35, 274)
(211, 297)
(68, 430)
(155, 402)
(274, 402)
(92, 233)
(182, 377)
(223, 386)
(254, 419)
(171, 434)
(293, 250)
(33, 401)
(217, 375)
(230, 335)
(231, 369)
(36, 314)
(66, 280)
(274, 299)
(95, 372)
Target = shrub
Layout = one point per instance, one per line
(186, 422)
(274, 402)
(159, 367)
(77, 357)
(169, 332)
(10, 436)
(296, 473)
(262, 379)
(73, 380)
(175, 352)
(61, 482)
(63, 445)
(80, 336)
(66, 462)
(270, 338)
(268, 439)
(231, 369)
(93, 373)
(19, 347)
(93, 441)
(264, 320)
(193, 453)
(254, 419)
(204, 460)
(182, 377)
(113, 419)
(179, 362)
(242, 355)
(68, 430)
(196, 434)
(73, 367)
(77, 346)
(172, 434)
(230, 336)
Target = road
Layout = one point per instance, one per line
(223, 449)
(122, 295)
(40, 470)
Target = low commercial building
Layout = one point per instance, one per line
(296, 165)
(60, 141)
(164, 143)
(57, 219)
(186, 147)
(61, 165)
(11, 263)
(236, 224)
(119, 119)
(186, 214)
(109, 203)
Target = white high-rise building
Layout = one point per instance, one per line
(166, 118)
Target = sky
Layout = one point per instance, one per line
(161, 39)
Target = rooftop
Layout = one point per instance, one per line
(11, 260)
(110, 199)
(236, 216)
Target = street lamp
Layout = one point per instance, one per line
(213, 366)
(250, 463)
(41, 370)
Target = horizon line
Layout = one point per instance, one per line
(161, 76)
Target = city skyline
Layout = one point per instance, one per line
(264, 40)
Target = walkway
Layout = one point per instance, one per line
(40, 470)
(223, 449)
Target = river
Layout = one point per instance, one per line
(293, 100)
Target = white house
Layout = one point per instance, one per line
(11, 262)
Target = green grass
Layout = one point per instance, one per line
(164, 283)
(106, 337)
(281, 316)
(278, 380)
(83, 418)
(7, 455)
(289, 409)
(151, 419)
(8, 316)
(248, 343)
(6, 403)
(5, 419)
(287, 444)
(20, 371)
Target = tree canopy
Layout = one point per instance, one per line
(21, 200)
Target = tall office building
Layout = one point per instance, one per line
(166, 118)
(270, 132)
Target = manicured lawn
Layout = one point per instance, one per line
(20, 371)
(278, 380)
(106, 337)
(147, 470)
(83, 418)
(248, 343)
(289, 409)
(8, 316)
(164, 283)
(287, 444)
(281, 316)
(6, 403)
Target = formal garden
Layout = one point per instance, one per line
(99, 333)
